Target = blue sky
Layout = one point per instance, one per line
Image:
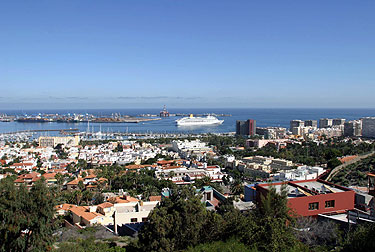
(119, 54)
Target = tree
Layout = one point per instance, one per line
(273, 224)
(219, 246)
(332, 163)
(98, 198)
(236, 187)
(26, 217)
(81, 186)
(205, 181)
(84, 174)
(77, 196)
(361, 239)
(87, 196)
(39, 163)
(318, 235)
(88, 245)
(178, 222)
(59, 179)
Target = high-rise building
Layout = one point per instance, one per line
(368, 127)
(246, 128)
(311, 123)
(325, 123)
(353, 128)
(338, 121)
(296, 124)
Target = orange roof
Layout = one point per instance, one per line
(105, 205)
(90, 215)
(64, 207)
(102, 179)
(122, 200)
(17, 164)
(171, 167)
(138, 166)
(154, 198)
(19, 180)
(164, 162)
(83, 211)
(49, 175)
(75, 182)
(31, 175)
(90, 176)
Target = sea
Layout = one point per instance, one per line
(275, 117)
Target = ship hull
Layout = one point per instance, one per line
(198, 121)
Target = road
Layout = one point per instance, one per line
(355, 160)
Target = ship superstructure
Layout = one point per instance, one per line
(196, 121)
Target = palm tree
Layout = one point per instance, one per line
(78, 197)
(236, 187)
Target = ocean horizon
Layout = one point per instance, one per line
(265, 117)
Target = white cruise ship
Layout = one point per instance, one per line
(196, 121)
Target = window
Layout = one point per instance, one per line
(208, 195)
(314, 206)
(330, 203)
(133, 220)
(144, 219)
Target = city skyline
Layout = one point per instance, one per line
(212, 54)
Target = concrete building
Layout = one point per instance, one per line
(296, 124)
(301, 173)
(267, 164)
(246, 128)
(297, 131)
(311, 123)
(325, 123)
(308, 197)
(338, 121)
(353, 128)
(54, 141)
(188, 148)
(271, 132)
(260, 143)
(368, 127)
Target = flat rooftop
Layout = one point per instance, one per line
(306, 188)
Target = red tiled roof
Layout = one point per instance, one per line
(154, 198)
(75, 181)
(64, 207)
(49, 175)
(105, 205)
(122, 200)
